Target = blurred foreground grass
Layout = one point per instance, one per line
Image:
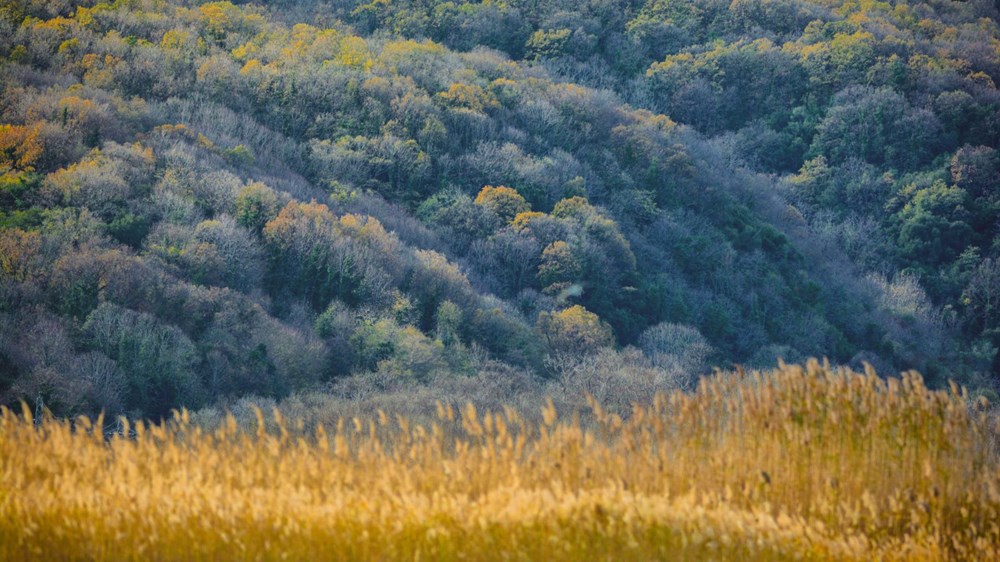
(799, 463)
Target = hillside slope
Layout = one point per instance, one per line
(201, 201)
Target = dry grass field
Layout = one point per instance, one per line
(804, 463)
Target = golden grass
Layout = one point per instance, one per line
(801, 463)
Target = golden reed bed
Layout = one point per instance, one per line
(800, 463)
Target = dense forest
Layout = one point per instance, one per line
(206, 201)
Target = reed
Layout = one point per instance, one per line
(799, 463)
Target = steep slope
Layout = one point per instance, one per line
(202, 202)
(888, 111)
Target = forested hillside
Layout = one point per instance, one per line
(203, 201)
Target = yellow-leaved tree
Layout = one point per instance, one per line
(574, 329)
(506, 202)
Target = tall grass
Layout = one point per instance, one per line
(803, 462)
